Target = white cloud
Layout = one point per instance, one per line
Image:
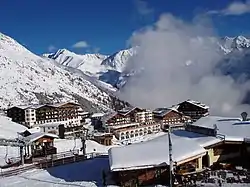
(80, 44)
(142, 7)
(236, 8)
(178, 61)
(52, 48)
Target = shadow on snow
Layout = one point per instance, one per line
(88, 170)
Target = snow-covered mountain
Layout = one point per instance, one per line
(88, 63)
(118, 61)
(27, 78)
(230, 44)
(113, 69)
(93, 64)
(108, 69)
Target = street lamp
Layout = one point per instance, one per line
(83, 137)
(170, 157)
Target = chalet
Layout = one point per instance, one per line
(33, 115)
(169, 117)
(39, 144)
(137, 114)
(193, 109)
(127, 116)
(115, 118)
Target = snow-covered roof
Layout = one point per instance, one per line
(35, 136)
(153, 153)
(108, 116)
(161, 112)
(34, 106)
(64, 103)
(201, 139)
(96, 115)
(234, 129)
(34, 130)
(197, 103)
(127, 110)
(9, 129)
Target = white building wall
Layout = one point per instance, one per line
(144, 116)
(30, 117)
(138, 132)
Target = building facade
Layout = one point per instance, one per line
(128, 115)
(169, 117)
(138, 131)
(34, 115)
(193, 109)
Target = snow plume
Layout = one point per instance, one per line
(178, 61)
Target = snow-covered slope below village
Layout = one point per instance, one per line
(27, 78)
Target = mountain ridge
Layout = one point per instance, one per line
(26, 78)
(113, 69)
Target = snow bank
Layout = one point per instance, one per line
(87, 173)
(63, 145)
(9, 128)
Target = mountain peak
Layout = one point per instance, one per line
(119, 60)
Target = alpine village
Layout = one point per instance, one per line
(176, 146)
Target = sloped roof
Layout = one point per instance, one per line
(64, 103)
(127, 110)
(35, 136)
(9, 129)
(234, 129)
(163, 111)
(108, 116)
(35, 106)
(152, 153)
(197, 103)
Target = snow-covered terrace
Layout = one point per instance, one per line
(153, 153)
(233, 129)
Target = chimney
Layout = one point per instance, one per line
(244, 116)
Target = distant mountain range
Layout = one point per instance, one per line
(26, 78)
(109, 69)
(114, 69)
(91, 79)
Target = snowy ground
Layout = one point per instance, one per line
(63, 145)
(87, 173)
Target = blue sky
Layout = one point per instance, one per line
(105, 26)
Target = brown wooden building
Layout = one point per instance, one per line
(39, 144)
(193, 109)
(169, 117)
(126, 116)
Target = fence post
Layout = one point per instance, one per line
(74, 158)
(63, 158)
